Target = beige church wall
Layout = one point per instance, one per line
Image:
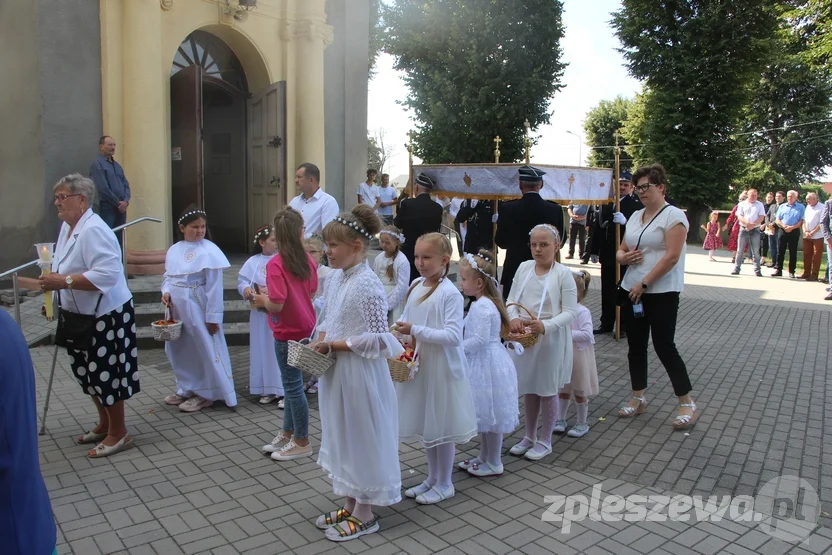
(279, 40)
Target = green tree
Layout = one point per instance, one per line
(814, 18)
(374, 154)
(698, 59)
(602, 124)
(476, 69)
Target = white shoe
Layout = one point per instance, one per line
(416, 491)
(276, 445)
(521, 449)
(539, 451)
(560, 427)
(266, 399)
(580, 430)
(485, 469)
(281, 404)
(434, 495)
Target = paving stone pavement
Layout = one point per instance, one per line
(757, 353)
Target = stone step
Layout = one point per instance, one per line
(234, 312)
(235, 335)
(153, 296)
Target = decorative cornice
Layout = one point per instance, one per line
(292, 30)
(166, 4)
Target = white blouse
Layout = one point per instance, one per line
(653, 245)
(92, 251)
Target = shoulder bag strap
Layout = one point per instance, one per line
(648, 225)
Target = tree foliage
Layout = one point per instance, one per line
(602, 125)
(476, 69)
(814, 20)
(697, 59)
(376, 32)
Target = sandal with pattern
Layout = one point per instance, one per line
(466, 464)
(686, 421)
(329, 520)
(350, 529)
(628, 412)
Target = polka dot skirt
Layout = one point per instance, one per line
(109, 370)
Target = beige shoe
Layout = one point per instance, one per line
(175, 399)
(292, 451)
(194, 404)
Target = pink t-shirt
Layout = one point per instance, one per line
(297, 319)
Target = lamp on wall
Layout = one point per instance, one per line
(240, 11)
(247, 5)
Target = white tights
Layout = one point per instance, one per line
(440, 464)
(535, 405)
(491, 448)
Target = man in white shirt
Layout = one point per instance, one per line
(387, 197)
(750, 214)
(317, 207)
(812, 238)
(368, 192)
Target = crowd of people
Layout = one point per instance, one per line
(311, 282)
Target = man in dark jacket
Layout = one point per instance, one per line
(604, 233)
(417, 216)
(477, 214)
(518, 217)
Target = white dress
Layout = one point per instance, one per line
(200, 361)
(584, 369)
(437, 406)
(356, 399)
(319, 299)
(264, 373)
(544, 368)
(490, 370)
(395, 288)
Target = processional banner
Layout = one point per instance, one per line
(500, 181)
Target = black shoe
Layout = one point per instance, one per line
(778, 273)
(828, 297)
(601, 331)
(735, 272)
(791, 275)
(758, 273)
(623, 335)
(584, 261)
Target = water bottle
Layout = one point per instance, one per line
(638, 310)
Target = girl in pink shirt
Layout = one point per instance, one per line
(292, 279)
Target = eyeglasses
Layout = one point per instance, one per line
(644, 187)
(63, 197)
(539, 245)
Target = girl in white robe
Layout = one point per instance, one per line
(393, 269)
(359, 414)
(437, 406)
(264, 371)
(548, 290)
(315, 247)
(193, 288)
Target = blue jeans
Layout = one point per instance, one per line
(751, 238)
(828, 259)
(772, 248)
(295, 407)
(113, 218)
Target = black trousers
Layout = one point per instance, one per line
(577, 231)
(609, 293)
(787, 241)
(659, 320)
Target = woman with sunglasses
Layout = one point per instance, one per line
(653, 248)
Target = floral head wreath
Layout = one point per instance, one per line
(262, 233)
(473, 263)
(549, 228)
(398, 236)
(191, 213)
(354, 226)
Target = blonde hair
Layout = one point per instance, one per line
(288, 224)
(443, 245)
(582, 281)
(394, 233)
(314, 244)
(489, 289)
(362, 217)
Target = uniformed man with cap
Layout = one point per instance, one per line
(417, 216)
(604, 231)
(518, 217)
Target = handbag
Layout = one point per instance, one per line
(75, 330)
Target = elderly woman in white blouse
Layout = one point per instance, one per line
(87, 273)
(653, 249)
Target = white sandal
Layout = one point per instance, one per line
(90, 437)
(686, 421)
(628, 412)
(102, 450)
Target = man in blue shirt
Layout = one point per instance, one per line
(577, 228)
(789, 222)
(111, 186)
(26, 523)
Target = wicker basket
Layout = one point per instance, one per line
(526, 339)
(166, 332)
(309, 360)
(399, 370)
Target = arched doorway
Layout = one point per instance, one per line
(224, 153)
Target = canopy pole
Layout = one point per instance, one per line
(616, 178)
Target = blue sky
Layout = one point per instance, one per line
(595, 72)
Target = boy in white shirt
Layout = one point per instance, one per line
(368, 192)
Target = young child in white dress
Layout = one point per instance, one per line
(437, 406)
(548, 291)
(357, 401)
(193, 287)
(314, 246)
(393, 269)
(584, 382)
(264, 373)
(491, 371)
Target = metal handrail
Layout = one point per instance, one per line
(15, 271)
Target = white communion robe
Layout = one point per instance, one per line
(200, 361)
(356, 398)
(264, 372)
(396, 288)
